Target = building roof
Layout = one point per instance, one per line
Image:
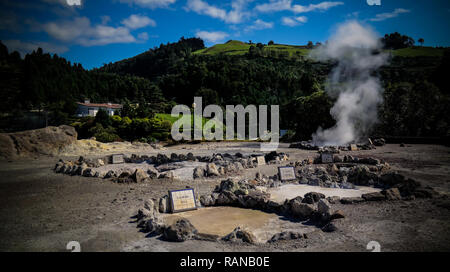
(104, 105)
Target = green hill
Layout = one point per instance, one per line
(240, 48)
(419, 51)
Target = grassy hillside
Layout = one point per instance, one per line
(241, 48)
(168, 117)
(418, 51)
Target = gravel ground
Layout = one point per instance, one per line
(43, 211)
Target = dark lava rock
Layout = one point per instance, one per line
(125, 178)
(391, 179)
(227, 198)
(370, 161)
(181, 231)
(379, 142)
(162, 159)
(333, 226)
(272, 156)
(207, 200)
(174, 157)
(301, 210)
(153, 225)
(337, 215)
(408, 187)
(392, 194)
(254, 199)
(374, 196)
(240, 235)
(190, 157)
(287, 235)
(361, 175)
(312, 197)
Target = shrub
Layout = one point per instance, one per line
(106, 137)
(103, 118)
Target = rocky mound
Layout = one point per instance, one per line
(44, 141)
(88, 147)
(177, 166)
(309, 145)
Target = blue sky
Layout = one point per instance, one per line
(94, 32)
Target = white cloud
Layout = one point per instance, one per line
(388, 15)
(288, 21)
(137, 21)
(281, 5)
(214, 36)
(65, 2)
(301, 19)
(80, 31)
(234, 16)
(274, 5)
(27, 47)
(312, 7)
(73, 2)
(259, 25)
(294, 21)
(150, 3)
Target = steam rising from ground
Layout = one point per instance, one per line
(352, 82)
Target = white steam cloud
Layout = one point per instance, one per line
(358, 91)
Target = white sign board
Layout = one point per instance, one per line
(118, 158)
(182, 200)
(286, 173)
(327, 158)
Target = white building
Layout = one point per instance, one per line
(91, 109)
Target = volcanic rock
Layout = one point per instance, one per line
(337, 215)
(392, 194)
(240, 235)
(139, 176)
(152, 173)
(181, 231)
(376, 196)
(312, 197)
(323, 206)
(333, 199)
(286, 235)
(301, 210)
(379, 142)
(333, 225)
(207, 200)
(199, 172)
(212, 170)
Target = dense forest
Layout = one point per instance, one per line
(416, 97)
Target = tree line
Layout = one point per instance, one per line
(415, 99)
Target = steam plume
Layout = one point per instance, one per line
(357, 51)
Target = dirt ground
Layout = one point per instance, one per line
(42, 211)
